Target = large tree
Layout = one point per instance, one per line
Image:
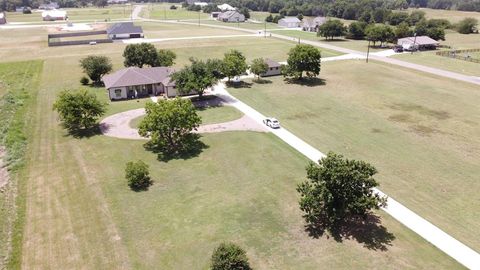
(165, 58)
(402, 30)
(331, 29)
(234, 64)
(338, 189)
(195, 78)
(95, 66)
(379, 33)
(302, 58)
(258, 67)
(79, 109)
(467, 26)
(139, 55)
(356, 30)
(170, 124)
(228, 256)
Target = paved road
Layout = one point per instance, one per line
(454, 248)
(393, 61)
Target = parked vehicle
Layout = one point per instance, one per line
(398, 49)
(92, 43)
(271, 122)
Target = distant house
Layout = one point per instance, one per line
(124, 30)
(419, 42)
(134, 82)
(231, 16)
(3, 19)
(215, 14)
(273, 68)
(113, 2)
(54, 15)
(225, 7)
(289, 22)
(201, 4)
(20, 9)
(311, 25)
(49, 6)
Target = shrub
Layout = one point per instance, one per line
(84, 80)
(228, 256)
(137, 175)
(173, 7)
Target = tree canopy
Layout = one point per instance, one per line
(95, 66)
(169, 125)
(331, 29)
(258, 67)
(137, 175)
(139, 55)
(228, 256)
(379, 33)
(302, 58)
(234, 64)
(196, 77)
(78, 109)
(338, 189)
(165, 58)
(467, 26)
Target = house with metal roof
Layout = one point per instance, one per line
(124, 30)
(231, 16)
(289, 22)
(54, 15)
(134, 82)
(418, 43)
(225, 7)
(49, 6)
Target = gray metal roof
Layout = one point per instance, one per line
(138, 76)
(124, 28)
(271, 63)
(420, 40)
(291, 19)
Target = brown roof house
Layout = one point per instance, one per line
(418, 43)
(134, 82)
(273, 68)
(311, 25)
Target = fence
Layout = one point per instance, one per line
(53, 38)
(461, 55)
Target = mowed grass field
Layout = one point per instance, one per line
(420, 131)
(163, 12)
(81, 214)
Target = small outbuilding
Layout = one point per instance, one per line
(54, 15)
(215, 14)
(289, 22)
(418, 43)
(124, 30)
(231, 16)
(3, 19)
(134, 82)
(273, 68)
(311, 25)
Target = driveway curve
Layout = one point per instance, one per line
(118, 125)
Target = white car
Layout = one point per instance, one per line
(271, 122)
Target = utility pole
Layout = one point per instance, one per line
(199, 18)
(414, 41)
(265, 30)
(165, 13)
(368, 50)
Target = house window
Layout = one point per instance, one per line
(276, 68)
(118, 93)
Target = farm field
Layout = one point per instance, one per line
(244, 25)
(420, 131)
(193, 205)
(163, 12)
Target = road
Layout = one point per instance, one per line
(454, 248)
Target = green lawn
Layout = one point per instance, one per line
(244, 25)
(420, 131)
(209, 115)
(163, 12)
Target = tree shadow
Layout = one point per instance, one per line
(240, 84)
(262, 81)
(366, 230)
(85, 133)
(142, 188)
(310, 82)
(191, 149)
